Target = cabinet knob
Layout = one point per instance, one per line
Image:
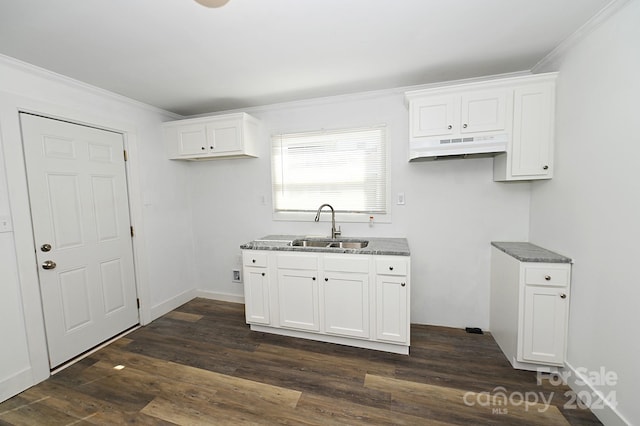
(263, 274)
(253, 261)
(313, 278)
(326, 279)
(563, 296)
(545, 167)
(547, 277)
(46, 247)
(391, 268)
(202, 148)
(449, 127)
(464, 126)
(403, 284)
(210, 147)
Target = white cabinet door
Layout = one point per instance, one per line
(298, 299)
(224, 136)
(392, 323)
(192, 140)
(345, 303)
(256, 295)
(433, 116)
(483, 111)
(532, 131)
(544, 324)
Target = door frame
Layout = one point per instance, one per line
(10, 108)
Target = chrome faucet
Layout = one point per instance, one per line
(334, 233)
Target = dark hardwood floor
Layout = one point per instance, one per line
(201, 365)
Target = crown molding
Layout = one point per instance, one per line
(77, 84)
(552, 60)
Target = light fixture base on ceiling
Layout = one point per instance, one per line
(213, 3)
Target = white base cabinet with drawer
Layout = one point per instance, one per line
(329, 297)
(256, 289)
(529, 310)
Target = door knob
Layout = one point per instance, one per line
(45, 247)
(48, 264)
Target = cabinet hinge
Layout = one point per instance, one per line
(126, 156)
(138, 303)
(132, 233)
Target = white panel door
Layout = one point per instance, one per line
(433, 116)
(533, 131)
(298, 299)
(544, 324)
(345, 304)
(256, 295)
(224, 136)
(391, 304)
(483, 111)
(80, 214)
(193, 140)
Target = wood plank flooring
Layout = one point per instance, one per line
(201, 365)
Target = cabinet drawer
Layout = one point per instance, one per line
(254, 258)
(346, 263)
(391, 266)
(558, 277)
(286, 261)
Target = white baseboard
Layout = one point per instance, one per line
(224, 297)
(16, 383)
(598, 404)
(169, 305)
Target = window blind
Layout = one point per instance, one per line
(345, 168)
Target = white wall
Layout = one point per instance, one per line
(165, 233)
(453, 209)
(590, 211)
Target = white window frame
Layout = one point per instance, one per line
(307, 216)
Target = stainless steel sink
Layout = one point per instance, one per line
(346, 244)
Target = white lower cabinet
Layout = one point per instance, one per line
(392, 296)
(529, 310)
(256, 288)
(344, 290)
(328, 297)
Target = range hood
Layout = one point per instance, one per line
(434, 148)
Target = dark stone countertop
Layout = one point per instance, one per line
(527, 252)
(376, 246)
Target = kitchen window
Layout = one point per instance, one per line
(345, 168)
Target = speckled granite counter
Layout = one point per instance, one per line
(376, 246)
(527, 252)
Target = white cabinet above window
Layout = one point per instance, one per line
(207, 138)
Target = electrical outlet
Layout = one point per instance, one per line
(237, 278)
(400, 198)
(5, 224)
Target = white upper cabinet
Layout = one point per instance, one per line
(511, 118)
(222, 136)
(531, 150)
(459, 114)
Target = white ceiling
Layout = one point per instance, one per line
(182, 57)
